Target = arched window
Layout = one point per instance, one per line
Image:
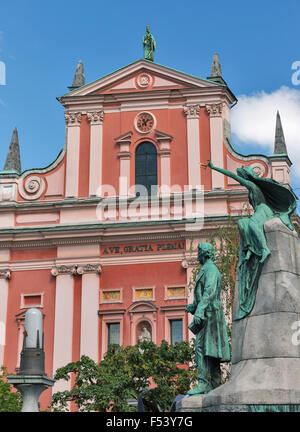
(146, 167)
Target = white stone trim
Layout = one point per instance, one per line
(73, 148)
(174, 315)
(175, 286)
(142, 288)
(102, 291)
(146, 259)
(216, 143)
(110, 319)
(193, 142)
(135, 67)
(63, 327)
(40, 305)
(96, 143)
(3, 316)
(89, 338)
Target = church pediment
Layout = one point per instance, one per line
(141, 76)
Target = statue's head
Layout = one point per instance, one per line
(246, 172)
(206, 251)
(148, 29)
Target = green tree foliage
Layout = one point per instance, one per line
(124, 373)
(9, 401)
(226, 241)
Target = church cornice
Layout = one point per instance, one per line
(203, 95)
(101, 233)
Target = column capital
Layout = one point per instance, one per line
(95, 117)
(190, 262)
(64, 270)
(5, 274)
(73, 118)
(89, 268)
(191, 111)
(214, 110)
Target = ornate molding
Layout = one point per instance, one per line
(64, 270)
(164, 141)
(214, 110)
(76, 269)
(95, 117)
(144, 80)
(124, 155)
(73, 118)
(5, 274)
(32, 188)
(258, 168)
(89, 268)
(124, 141)
(190, 262)
(191, 111)
(164, 153)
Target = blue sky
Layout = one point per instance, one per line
(41, 42)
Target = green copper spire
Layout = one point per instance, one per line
(149, 45)
(13, 160)
(79, 77)
(216, 71)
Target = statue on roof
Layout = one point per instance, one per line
(149, 45)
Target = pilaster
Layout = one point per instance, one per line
(164, 153)
(73, 120)
(89, 333)
(193, 142)
(4, 282)
(215, 112)
(63, 324)
(124, 155)
(96, 147)
(189, 263)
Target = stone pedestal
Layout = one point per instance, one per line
(30, 387)
(265, 373)
(190, 404)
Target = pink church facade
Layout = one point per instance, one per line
(77, 242)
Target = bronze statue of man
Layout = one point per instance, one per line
(149, 45)
(209, 326)
(268, 199)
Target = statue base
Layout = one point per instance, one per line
(265, 373)
(190, 404)
(30, 387)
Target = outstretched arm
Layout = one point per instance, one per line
(236, 177)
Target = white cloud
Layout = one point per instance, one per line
(254, 118)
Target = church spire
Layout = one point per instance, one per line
(216, 71)
(280, 145)
(13, 160)
(79, 77)
(216, 66)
